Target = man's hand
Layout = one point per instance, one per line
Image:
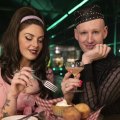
(98, 52)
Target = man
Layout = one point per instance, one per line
(101, 74)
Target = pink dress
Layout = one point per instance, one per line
(25, 102)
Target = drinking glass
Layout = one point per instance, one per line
(76, 67)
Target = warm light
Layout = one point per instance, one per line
(57, 51)
(70, 60)
(58, 61)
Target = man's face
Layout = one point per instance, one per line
(90, 33)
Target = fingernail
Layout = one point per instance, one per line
(70, 71)
(80, 83)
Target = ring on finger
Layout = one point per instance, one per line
(31, 78)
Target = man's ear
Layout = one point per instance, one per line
(105, 31)
(76, 34)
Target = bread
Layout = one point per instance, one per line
(84, 109)
(59, 108)
(71, 113)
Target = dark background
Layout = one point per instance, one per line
(62, 34)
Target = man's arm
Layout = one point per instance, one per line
(89, 91)
(109, 90)
(107, 93)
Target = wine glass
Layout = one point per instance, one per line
(76, 67)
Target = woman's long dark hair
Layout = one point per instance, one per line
(11, 56)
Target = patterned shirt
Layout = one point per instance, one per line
(101, 85)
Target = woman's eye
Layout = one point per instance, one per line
(40, 40)
(28, 38)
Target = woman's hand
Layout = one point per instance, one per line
(100, 51)
(23, 82)
(68, 85)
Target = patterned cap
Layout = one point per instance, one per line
(88, 13)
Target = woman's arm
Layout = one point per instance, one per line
(10, 106)
(19, 83)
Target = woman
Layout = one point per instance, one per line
(24, 52)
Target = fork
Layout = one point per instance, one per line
(47, 84)
(28, 116)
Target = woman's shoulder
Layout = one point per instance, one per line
(4, 88)
(3, 84)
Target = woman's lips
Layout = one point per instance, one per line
(33, 51)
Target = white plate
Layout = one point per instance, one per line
(16, 117)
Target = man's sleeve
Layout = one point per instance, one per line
(106, 94)
(89, 91)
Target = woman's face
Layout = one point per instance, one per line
(31, 42)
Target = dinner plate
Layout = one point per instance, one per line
(16, 117)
